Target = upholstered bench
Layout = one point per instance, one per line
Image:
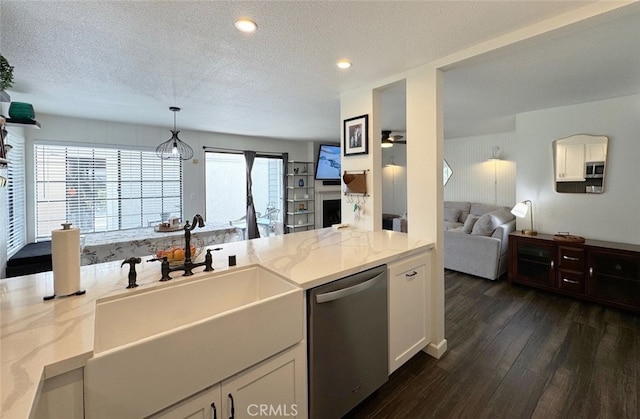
(31, 259)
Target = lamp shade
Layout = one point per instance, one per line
(520, 210)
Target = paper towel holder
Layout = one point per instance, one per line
(65, 226)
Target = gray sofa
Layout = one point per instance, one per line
(476, 238)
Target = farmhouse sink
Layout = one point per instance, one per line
(156, 347)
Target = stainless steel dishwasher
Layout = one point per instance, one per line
(348, 342)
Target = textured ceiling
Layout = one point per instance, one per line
(129, 61)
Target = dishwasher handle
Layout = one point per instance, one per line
(345, 292)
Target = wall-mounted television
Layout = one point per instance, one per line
(328, 164)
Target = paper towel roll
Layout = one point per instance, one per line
(65, 256)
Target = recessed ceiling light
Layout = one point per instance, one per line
(344, 64)
(246, 25)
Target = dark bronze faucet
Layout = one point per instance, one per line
(188, 265)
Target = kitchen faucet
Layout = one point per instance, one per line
(188, 265)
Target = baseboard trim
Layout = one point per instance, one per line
(438, 350)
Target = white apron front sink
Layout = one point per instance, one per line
(157, 347)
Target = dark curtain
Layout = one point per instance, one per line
(252, 224)
(285, 168)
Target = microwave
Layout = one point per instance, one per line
(594, 169)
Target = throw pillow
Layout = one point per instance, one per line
(451, 214)
(469, 223)
(502, 216)
(485, 225)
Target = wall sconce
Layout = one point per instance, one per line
(520, 210)
(495, 153)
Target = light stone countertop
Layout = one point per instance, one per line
(41, 339)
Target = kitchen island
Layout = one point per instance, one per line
(43, 339)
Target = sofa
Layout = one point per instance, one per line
(476, 238)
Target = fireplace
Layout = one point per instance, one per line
(330, 212)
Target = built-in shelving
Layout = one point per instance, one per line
(300, 196)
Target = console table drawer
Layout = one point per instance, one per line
(571, 281)
(571, 258)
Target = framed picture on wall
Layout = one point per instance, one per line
(356, 135)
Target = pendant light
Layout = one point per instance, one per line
(174, 148)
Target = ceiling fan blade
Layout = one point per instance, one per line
(396, 137)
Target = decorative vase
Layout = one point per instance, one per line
(301, 183)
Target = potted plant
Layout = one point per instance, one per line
(6, 74)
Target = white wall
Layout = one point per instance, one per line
(56, 128)
(474, 178)
(612, 215)
(394, 180)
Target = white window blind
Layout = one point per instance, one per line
(104, 189)
(16, 208)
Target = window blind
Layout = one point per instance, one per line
(16, 207)
(103, 189)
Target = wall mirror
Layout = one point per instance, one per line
(580, 162)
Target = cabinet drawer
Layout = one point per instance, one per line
(571, 281)
(571, 258)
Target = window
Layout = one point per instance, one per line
(16, 209)
(226, 191)
(103, 189)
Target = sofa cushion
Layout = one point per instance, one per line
(452, 215)
(463, 206)
(469, 223)
(488, 222)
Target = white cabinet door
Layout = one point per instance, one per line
(570, 163)
(274, 388)
(595, 152)
(203, 405)
(408, 308)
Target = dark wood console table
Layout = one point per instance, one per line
(599, 271)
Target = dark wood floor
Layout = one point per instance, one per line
(515, 352)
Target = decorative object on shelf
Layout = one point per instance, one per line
(21, 110)
(174, 147)
(301, 207)
(564, 236)
(21, 113)
(356, 135)
(6, 74)
(301, 183)
(520, 210)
